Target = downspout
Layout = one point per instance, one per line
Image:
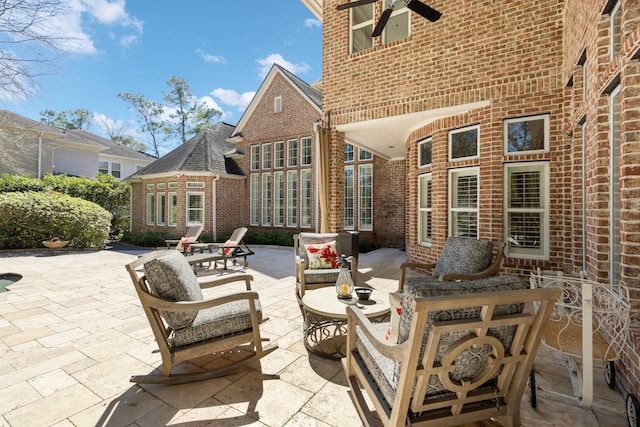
(214, 209)
(316, 126)
(40, 155)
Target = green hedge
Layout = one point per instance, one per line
(27, 218)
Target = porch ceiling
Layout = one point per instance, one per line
(386, 137)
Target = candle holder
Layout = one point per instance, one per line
(344, 284)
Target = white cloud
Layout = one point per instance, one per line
(275, 58)
(233, 98)
(210, 58)
(312, 22)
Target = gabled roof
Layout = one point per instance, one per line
(307, 91)
(206, 153)
(112, 147)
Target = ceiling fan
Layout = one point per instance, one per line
(420, 8)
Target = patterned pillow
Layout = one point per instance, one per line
(463, 255)
(395, 303)
(322, 255)
(170, 277)
(227, 251)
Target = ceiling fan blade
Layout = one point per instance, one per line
(354, 4)
(382, 22)
(422, 9)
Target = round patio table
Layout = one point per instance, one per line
(325, 318)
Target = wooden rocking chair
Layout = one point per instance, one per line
(186, 325)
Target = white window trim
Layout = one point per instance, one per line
(303, 143)
(364, 155)
(304, 202)
(614, 11)
(353, 152)
(194, 184)
(615, 268)
(254, 203)
(505, 134)
(289, 157)
(462, 172)
(398, 11)
(151, 204)
(267, 156)
(353, 28)
(292, 176)
(460, 130)
(353, 202)
(266, 200)
(544, 255)
(255, 151)
(172, 195)
(420, 144)
(275, 154)
(161, 203)
(279, 195)
(361, 225)
(277, 104)
(429, 178)
(187, 209)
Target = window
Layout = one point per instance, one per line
(292, 198)
(266, 199)
(615, 257)
(305, 151)
(150, 186)
(348, 198)
(616, 30)
(365, 197)
(277, 104)
(463, 143)
(255, 157)
(278, 199)
(151, 206)
(173, 209)
(161, 186)
(463, 202)
(279, 155)
(292, 153)
(115, 169)
(172, 184)
(162, 213)
(527, 201)
(424, 209)
(194, 184)
(195, 209)
(361, 27)
(526, 134)
(305, 198)
(364, 154)
(424, 152)
(254, 201)
(398, 25)
(266, 156)
(348, 152)
(103, 166)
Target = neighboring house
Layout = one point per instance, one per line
(33, 148)
(504, 121)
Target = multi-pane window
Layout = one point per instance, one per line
(173, 209)
(266, 156)
(526, 134)
(254, 200)
(278, 199)
(349, 213)
(151, 208)
(115, 169)
(348, 152)
(278, 155)
(365, 197)
(424, 209)
(464, 143)
(463, 202)
(292, 153)
(424, 152)
(277, 104)
(398, 25)
(255, 157)
(615, 29)
(266, 198)
(305, 151)
(361, 27)
(527, 209)
(103, 166)
(305, 198)
(162, 212)
(615, 255)
(195, 208)
(364, 154)
(292, 198)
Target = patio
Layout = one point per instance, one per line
(72, 332)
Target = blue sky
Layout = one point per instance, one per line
(222, 48)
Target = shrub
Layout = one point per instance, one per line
(27, 218)
(146, 239)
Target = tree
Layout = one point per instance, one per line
(118, 130)
(28, 44)
(189, 116)
(149, 115)
(70, 119)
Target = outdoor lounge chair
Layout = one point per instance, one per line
(187, 326)
(182, 244)
(232, 249)
(317, 259)
(459, 358)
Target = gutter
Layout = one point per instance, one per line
(40, 155)
(316, 125)
(214, 210)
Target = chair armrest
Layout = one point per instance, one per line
(413, 266)
(206, 283)
(393, 351)
(182, 306)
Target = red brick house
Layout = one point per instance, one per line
(512, 121)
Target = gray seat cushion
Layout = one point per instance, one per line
(170, 277)
(462, 255)
(324, 275)
(217, 321)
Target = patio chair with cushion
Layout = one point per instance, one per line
(232, 249)
(187, 326)
(463, 354)
(317, 259)
(182, 244)
(461, 259)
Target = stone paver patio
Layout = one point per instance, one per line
(72, 332)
